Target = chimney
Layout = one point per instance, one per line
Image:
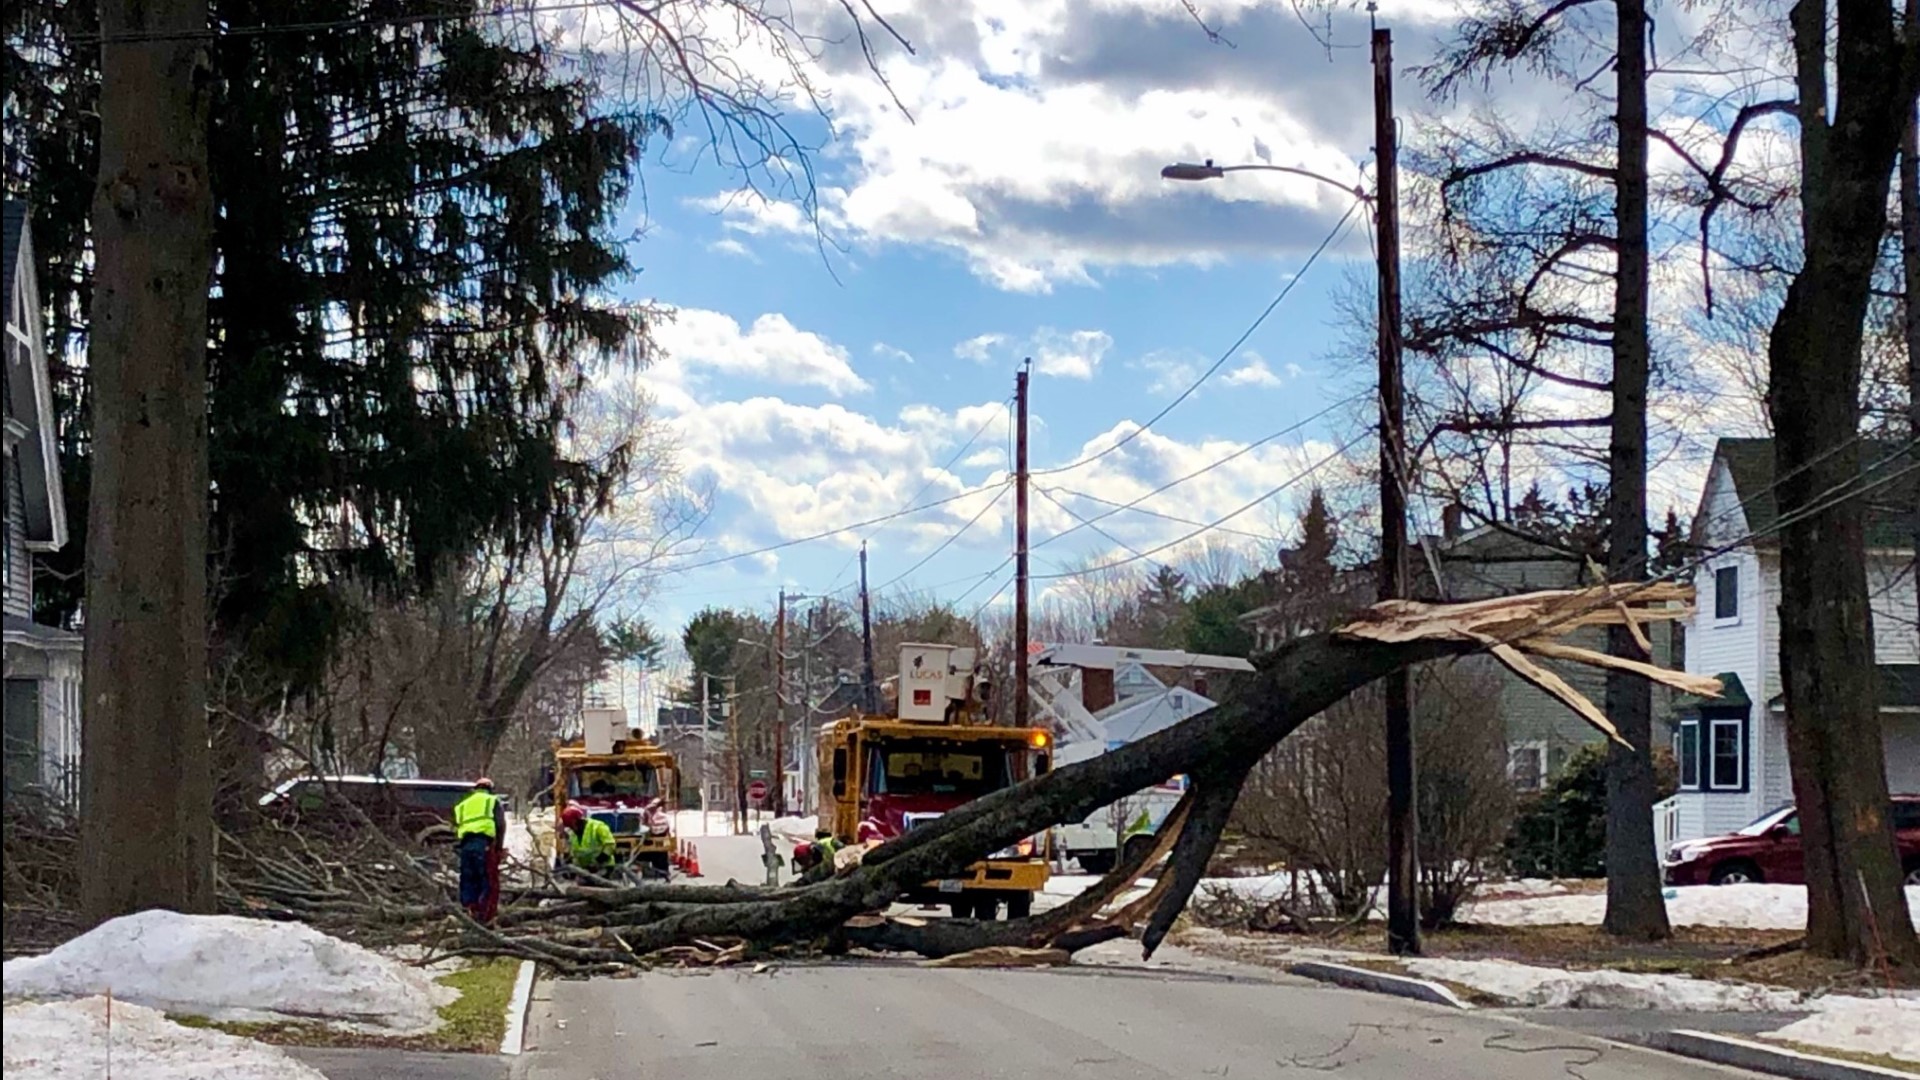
(1096, 689)
(1450, 521)
(1200, 685)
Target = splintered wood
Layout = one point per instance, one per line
(1510, 627)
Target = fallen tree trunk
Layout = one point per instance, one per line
(587, 929)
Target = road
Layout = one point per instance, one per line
(853, 1021)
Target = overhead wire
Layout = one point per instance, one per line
(944, 544)
(1231, 351)
(1203, 470)
(1270, 493)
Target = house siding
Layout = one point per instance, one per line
(19, 583)
(1903, 752)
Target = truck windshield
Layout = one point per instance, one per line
(921, 767)
(611, 782)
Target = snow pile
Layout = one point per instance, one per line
(1750, 907)
(796, 828)
(530, 838)
(1520, 888)
(1554, 988)
(228, 968)
(68, 1040)
(1889, 1026)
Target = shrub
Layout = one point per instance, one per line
(1561, 831)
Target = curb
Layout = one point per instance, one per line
(1779, 1061)
(1380, 983)
(517, 1007)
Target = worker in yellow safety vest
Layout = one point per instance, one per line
(590, 844)
(479, 824)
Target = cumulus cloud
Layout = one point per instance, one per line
(1255, 372)
(892, 352)
(1066, 354)
(697, 342)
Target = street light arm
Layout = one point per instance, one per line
(1210, 171)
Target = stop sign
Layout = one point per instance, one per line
(757, 791)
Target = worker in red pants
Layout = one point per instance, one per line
(479, 828)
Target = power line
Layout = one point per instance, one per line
(944, 544)
(1122, 544)
(1242, 452)
(1338, 227)
(1270, 493)
(850, 527)
(1175, 518)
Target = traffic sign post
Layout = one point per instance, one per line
(757, 792)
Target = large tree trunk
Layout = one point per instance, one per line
(1634, 906)
(1910, 272)
(1855, 906)
(147, 826)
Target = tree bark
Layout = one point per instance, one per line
(1856, 908)
(1634, 905)
(1910, 273)
(147, 826)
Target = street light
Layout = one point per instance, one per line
(1186, 170)
(1403, 827)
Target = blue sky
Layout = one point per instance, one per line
(1019, 213)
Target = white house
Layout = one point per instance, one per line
(42, 662)
(1732, 750)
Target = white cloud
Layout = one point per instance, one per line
(1070, 356)
(980, 347)
(892, 352)
(697, 342)
(729, 246)
(1074, 354)
(1255, 372)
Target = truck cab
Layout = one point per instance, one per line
(884, 776)
(621, 778)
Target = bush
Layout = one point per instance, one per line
(1561, 831)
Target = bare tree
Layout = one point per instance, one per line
(1850, 130)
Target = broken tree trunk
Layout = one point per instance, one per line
(591, 929)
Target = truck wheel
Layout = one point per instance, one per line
(1139, 844)
(1020, 905)
(961, 909)
(1738, 872)
(1095, 862)
(986, 908)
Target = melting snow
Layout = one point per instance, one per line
(69, 1040)
(229, 968)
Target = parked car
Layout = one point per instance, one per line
(1769, 850)
(418, 811)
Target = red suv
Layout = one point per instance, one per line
(1769, 850)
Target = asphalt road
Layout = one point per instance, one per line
(1101, 1022)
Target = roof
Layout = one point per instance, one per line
(1899, 688)
(1733, 695)
(13, 226)
(1891, 506)
(26, 631)
(1140, 717)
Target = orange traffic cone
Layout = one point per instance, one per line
(693, 860)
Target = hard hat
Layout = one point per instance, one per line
(572, 815)
(484, 782)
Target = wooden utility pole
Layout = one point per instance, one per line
(147, 830)
(780, 709)
(1020, 707)
(869, 689)
(1403, 814)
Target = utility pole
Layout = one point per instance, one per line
(1403, 813)
(730, 708)
(780, 709)
(1020, 707)
(869, 690)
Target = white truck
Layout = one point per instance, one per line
(1078, 690)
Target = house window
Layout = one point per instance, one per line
(1686, 751)
(1726, 592)
(1527, 765)
(1726, 757)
